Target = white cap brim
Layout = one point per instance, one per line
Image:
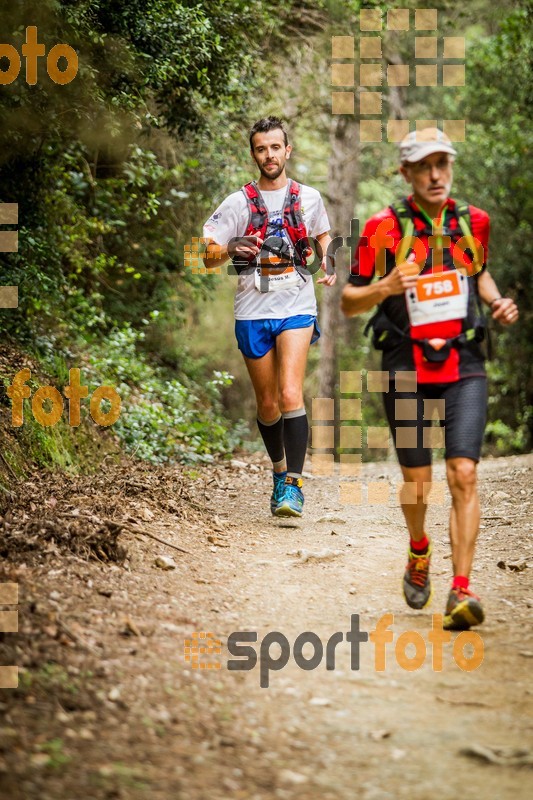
(420, 150)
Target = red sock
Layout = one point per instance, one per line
(421, 546)
(460, 582)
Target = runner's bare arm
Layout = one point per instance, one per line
(216, 255)
(503, 309)
(358, 299)
(330, 277)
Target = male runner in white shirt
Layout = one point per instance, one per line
(275, 307)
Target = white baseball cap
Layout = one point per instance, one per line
(419, 144)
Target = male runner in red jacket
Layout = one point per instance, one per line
(429, 323)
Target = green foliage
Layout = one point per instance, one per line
(501, 439)
(495, 172)
(161, 419)
(53, 748)
(57, 447)
(112, 174)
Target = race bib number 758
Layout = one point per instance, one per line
(438, 298)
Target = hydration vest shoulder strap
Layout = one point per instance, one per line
(294, 223)
(462, 211)
(404, 216)
(258, 212)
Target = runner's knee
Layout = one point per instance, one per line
(267, 408)
(411, 493)
(414, 488)
(461, 474)
(290, 399)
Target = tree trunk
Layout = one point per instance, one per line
(343, 176)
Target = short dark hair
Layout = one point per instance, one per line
(268, 124)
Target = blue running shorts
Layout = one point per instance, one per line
(256, 337)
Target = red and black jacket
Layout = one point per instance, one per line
(403, 353)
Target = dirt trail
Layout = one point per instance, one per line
(107, 706)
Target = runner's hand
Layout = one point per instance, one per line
(402, 277)
(246, 247)
(504, 310)
(330, 279)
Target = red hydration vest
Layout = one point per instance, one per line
(292, 218)
(437, 348)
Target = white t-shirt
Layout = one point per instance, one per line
(230, 220)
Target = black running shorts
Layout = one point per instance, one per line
(461, 408)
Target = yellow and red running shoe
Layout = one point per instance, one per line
(463, 610)
(417, 588)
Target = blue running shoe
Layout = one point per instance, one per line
(279, 488)
(292, 501)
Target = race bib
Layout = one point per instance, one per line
(273, 279)
(438, 298)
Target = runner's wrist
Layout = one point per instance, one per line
(384, 288)
(494, 300)
(222, 252)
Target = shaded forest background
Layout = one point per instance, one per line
(115, 172)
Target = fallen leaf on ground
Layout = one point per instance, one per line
(456, 701)
(319, 555)
(165, 562)
(517, 566)
(502, 756)
(379, 734)
(131, 627)
(319, 701)
(216, 542)
(288, 776)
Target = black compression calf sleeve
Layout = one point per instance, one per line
(272, 433)
(295, 434)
